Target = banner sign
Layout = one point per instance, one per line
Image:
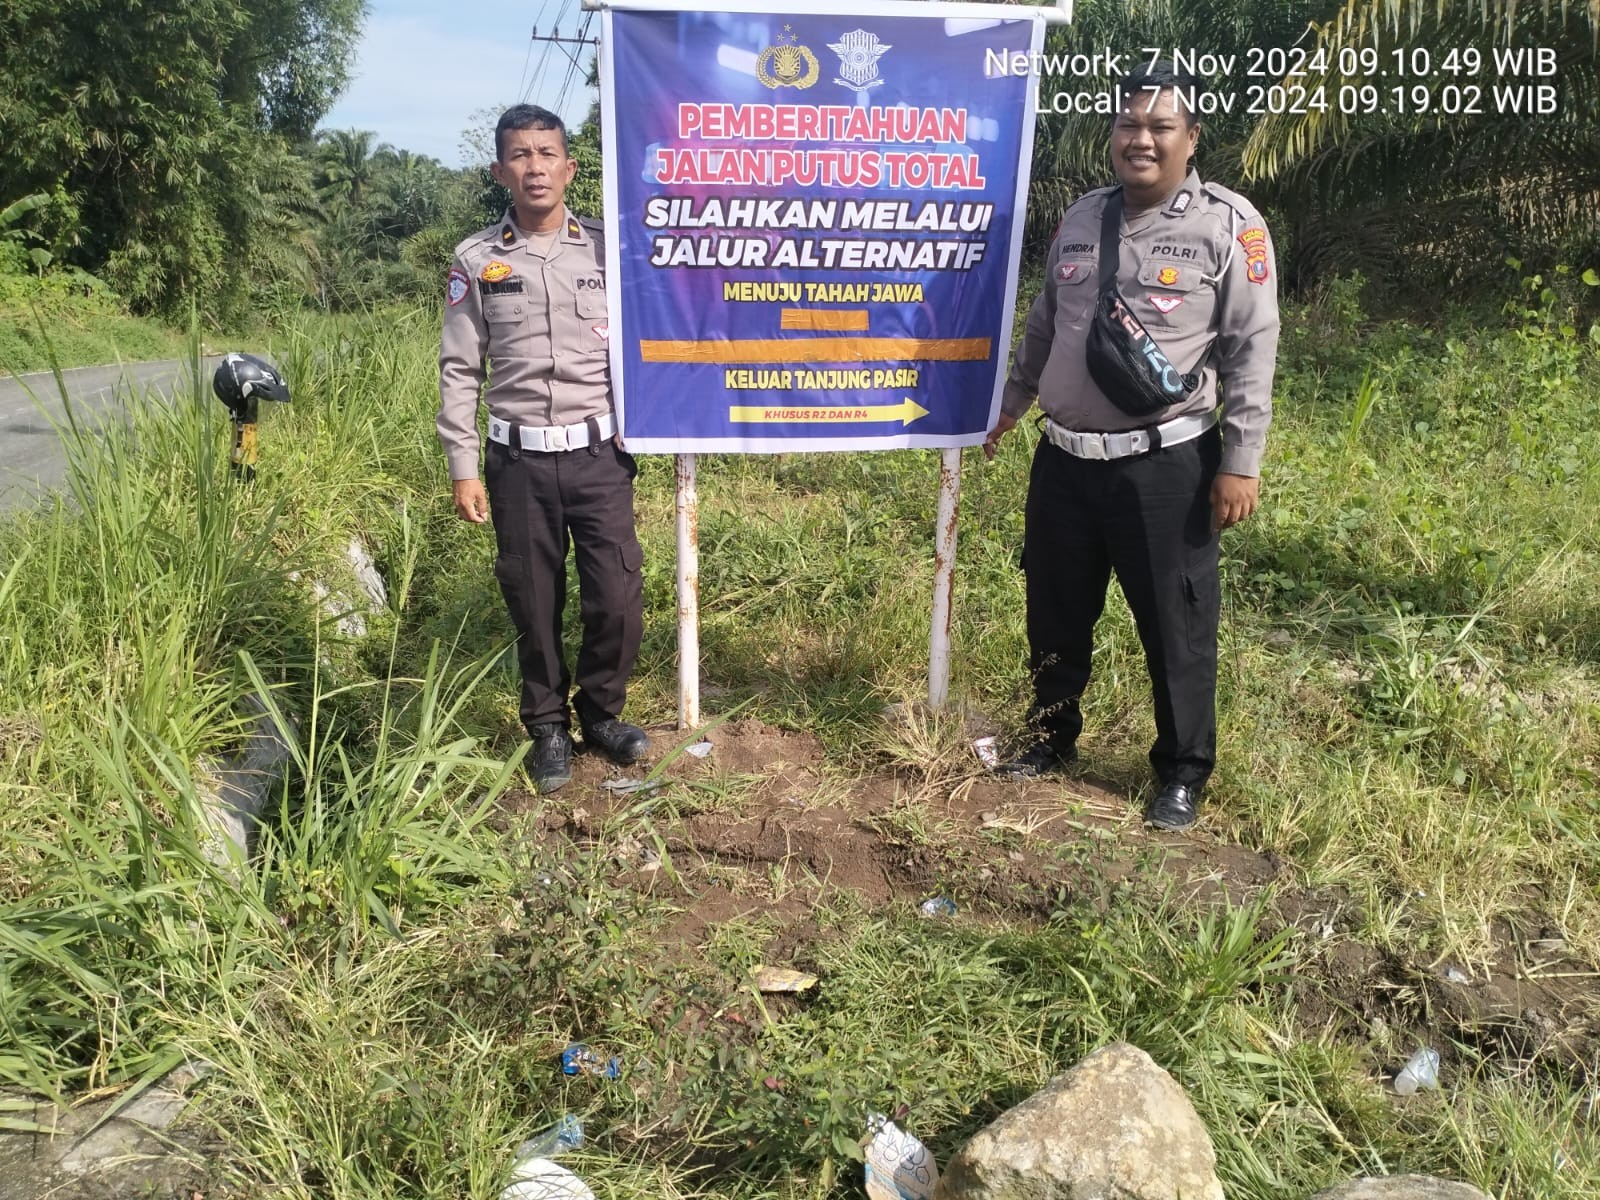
(813, 220)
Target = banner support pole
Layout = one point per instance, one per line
(944, 573)
(688, 521)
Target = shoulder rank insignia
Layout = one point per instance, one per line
(572, 228)
(496, 271)
(507, 235)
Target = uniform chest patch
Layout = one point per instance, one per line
(1065, 271)
(1168, 277)
(602, 331)
(1166, 303)
(456, 286)
(506, 287)
(496, 271)
(1254, 241)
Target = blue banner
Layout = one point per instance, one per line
(813, 222)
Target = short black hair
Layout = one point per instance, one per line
(1160, 74)
(526, 116)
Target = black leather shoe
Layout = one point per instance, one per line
(623, 744)
(1044, 757)
(551, 761)
(1175, 807)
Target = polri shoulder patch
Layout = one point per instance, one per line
(1254, 241)
(456, 286)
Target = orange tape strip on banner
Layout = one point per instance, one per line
(828, 349)
(850, 319)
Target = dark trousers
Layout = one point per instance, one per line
(1148, 518)
(537, 500)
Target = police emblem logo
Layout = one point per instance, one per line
(456, 286)
(787, 64)
(858, 53)
(496, 271)
(1166, 303)
(1254, 241)
(1167, 276)
(1065, 271)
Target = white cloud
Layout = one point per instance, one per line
(418, 78)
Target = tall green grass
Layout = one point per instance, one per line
(1409, 711)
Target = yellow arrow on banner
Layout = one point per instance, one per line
(907, 411)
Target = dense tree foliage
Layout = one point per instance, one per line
(155, 127)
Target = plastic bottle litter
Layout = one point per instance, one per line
(541, 1179)
(898, 1166)
(566, 1134)
(1421, 1071)
(938, 906)
(578, 1059)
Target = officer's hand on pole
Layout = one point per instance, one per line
(1233, 498)
(1001, 427)
(472, 502)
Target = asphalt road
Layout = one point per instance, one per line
(31, 410)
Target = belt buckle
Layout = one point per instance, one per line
(1092, 445)
(555, 437)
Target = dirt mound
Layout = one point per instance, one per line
(764, 828)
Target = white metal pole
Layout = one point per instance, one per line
(688, 509)
(944, 575)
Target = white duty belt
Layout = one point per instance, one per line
(554, 437)
(1103, 446)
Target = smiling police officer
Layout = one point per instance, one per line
(1151, 350)
(525, 306)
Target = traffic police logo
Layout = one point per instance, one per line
(1254, 241)
(456, 286)
(602, 331)
(1065, 271)
(496, 271)
(1167, 276)
(787, 64)
(858, 53)
(1166, 303)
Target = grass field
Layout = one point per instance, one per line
(1410, 714)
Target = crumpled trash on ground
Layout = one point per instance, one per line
(781, 979)
(1421, 1071)
(627, 787)
(541, 1179)
(988, 751)
(898, 1166)
(938, 906)
(578, 1059)
(701, 749)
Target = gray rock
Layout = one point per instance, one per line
(1401, 1187)
(1115, 1127)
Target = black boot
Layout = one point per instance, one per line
(622, 743)
(551, 759)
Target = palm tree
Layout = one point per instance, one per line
(345, 165)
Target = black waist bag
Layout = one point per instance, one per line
(1125, 362)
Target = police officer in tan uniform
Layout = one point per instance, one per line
(1144, 497)
(525, 307)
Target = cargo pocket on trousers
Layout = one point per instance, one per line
(1201, 604)
(632, 556)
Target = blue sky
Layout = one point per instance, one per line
(425, 67)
